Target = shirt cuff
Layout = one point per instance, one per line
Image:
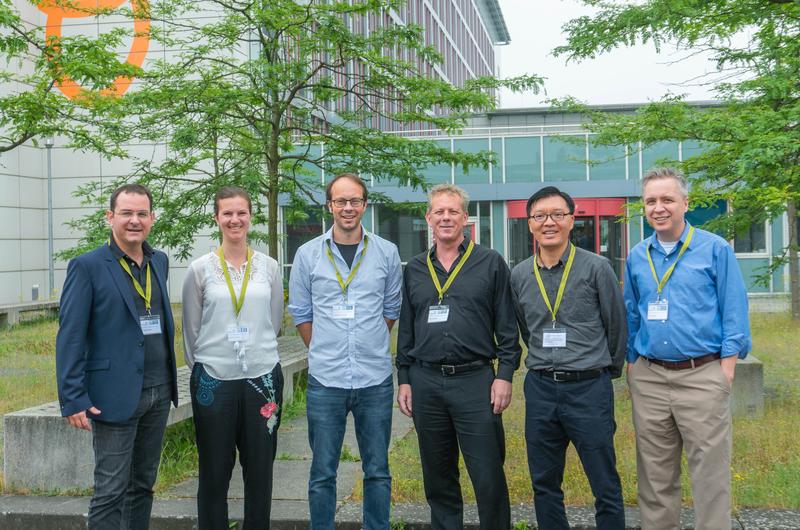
(402, 375)
(631, 357)
(505, 372)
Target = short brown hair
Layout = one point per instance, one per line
(138, 189)
(229, 192)
(351, 176)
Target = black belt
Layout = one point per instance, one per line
(452, 369)
(562, 376)
(685, 365)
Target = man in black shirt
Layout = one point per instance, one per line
(457, 317)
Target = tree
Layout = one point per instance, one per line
(31, 105)
(751, 140)
(266, 94)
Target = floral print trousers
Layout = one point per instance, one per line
(243, 415)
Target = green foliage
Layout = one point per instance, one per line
(32, 107)
(347, 455)
(751, 139)
(267, 95)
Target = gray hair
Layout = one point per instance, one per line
(658, 173)
(440, 189)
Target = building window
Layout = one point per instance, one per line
(299, 232)
(408, 230)
(520, 241)
(753, 240)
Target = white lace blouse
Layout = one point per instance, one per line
(208, 316)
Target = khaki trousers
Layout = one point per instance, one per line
(673, 409)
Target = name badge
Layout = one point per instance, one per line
(151, 324)
(554, 338)
(344, 312)
(238, 334)
(657, 310)
(438, 313)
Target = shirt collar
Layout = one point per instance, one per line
(462, 247)
(328, 236)
(561, 261)
(119, 253)
(653, 239)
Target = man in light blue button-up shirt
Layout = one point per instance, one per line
(687, 326)
(344, 297)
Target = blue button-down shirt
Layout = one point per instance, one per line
(706, 296)
(347, 353)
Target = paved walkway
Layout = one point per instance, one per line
(176, 509)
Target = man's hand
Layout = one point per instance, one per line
(501, 395)
(629, 366)
(404, 399)
(728, 365)
(80, 421)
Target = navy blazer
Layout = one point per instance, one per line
(100, 344)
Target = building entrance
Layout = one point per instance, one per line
(596, 229)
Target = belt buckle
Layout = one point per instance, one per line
(556, 377)
(448, 369)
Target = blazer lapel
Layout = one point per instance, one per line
(122, 283)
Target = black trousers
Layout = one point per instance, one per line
(580, 412)
(452, 412)
(242, 414)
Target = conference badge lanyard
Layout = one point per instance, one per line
(345, 310)
(238, 335)
(439, 313)
(659, 309)
(150, 323)
(554, 337)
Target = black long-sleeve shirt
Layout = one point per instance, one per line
(481, 323)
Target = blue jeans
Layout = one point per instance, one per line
(126, 457)
(327, 409)
(581, 412)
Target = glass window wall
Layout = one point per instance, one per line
(523, 159)
(609, 162)
(476, 174)
(563, 160)
(407, 229)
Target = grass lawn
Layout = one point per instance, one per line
(766, 463)
(765, 467)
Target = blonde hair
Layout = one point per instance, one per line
(452, 189)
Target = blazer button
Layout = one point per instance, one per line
(141, 343)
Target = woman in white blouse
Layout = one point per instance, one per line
(232, 314)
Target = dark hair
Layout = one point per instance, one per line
(138, 189)
(229, 192)
(351, 176)
(550, 191)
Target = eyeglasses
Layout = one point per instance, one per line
(557, 217)
(355, 203)
(128, 214)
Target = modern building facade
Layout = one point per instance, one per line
(466, 32)
(539, 147)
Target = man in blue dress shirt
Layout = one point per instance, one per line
(687, 325)
(344, 296)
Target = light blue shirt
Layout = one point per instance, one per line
(706, 296)
(347, 353)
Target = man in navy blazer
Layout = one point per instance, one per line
(115, 360)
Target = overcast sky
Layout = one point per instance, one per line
(627, 75)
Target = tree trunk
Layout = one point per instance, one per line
(794, 266)
(272, 217)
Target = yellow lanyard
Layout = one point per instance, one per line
(145, 293)
(667, 274)
(344, 284)
(237, 304)
(450, 279)
(562, 285)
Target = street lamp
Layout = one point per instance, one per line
(48, 143)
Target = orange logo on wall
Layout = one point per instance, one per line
(84, 8)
